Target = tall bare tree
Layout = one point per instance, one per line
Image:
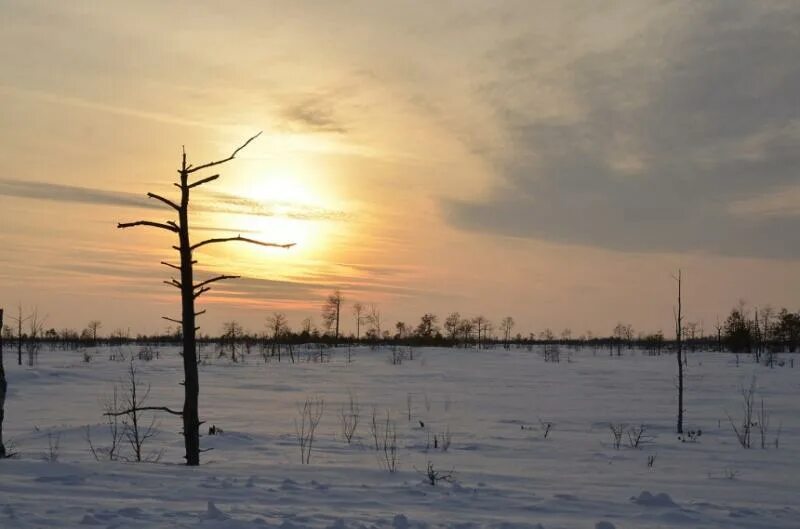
(331, 310)
(679, 344)
(232, 334)
(190, 290)
(465, 328)
(506, 324)
(3, 389)
(451, 325)
(278, 326)
(93, 327)
(20, 321)
(358, 312)
(374, 320)
(481, 324)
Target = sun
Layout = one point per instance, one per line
(281, 207)
(283, 192)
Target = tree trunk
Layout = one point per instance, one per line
(338, 309)
(191, 383)
(3, 388)
(679, 332)
(19, 338)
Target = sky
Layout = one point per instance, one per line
(556, 162)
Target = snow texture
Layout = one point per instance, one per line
(506, 474)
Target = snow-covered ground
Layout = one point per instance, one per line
(506, 474)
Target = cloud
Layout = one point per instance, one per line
(67, 193)
(648, 143)
(214, 203)
(313, 114)
(227, 203)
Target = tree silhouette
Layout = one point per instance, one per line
(679, 344)
(190, 290)
(93, 327)
(451, 325)
(20, 321)
(506, 324)
(277, 326)
(331, 310)
(3, 388)
(358, 312)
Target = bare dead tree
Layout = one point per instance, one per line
(374, 320)
(506, 324)
(278, 326)
(93, 327)
(330, 313)
(190, 290)
(358, 312)
(232, 333)
(138, 432)
(451, 325)
(135, 430)
(20, 321)
(3, 389)
(465, 328)
(679, 343)
(35, 332)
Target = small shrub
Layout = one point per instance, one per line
(617, 431)
(349, 416)
(545, 427)
(433, 476)
(310, 415)
(53, 443)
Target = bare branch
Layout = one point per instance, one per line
(201, 292)
(212, 280)
(143, 408)
(200, 313)
(173, 283)
(204, 181)
(191, 169)
(176, 267)
(165, 201)
(242, 239)
(148, 223)
(173, 320)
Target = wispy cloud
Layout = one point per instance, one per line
(67, 193)
(314, 114)
(214, 203)
(227, 203)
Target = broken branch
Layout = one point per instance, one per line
(201, 292)
(191, 169)
(204, 181)
(165, 201)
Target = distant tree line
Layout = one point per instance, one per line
(758, 331)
